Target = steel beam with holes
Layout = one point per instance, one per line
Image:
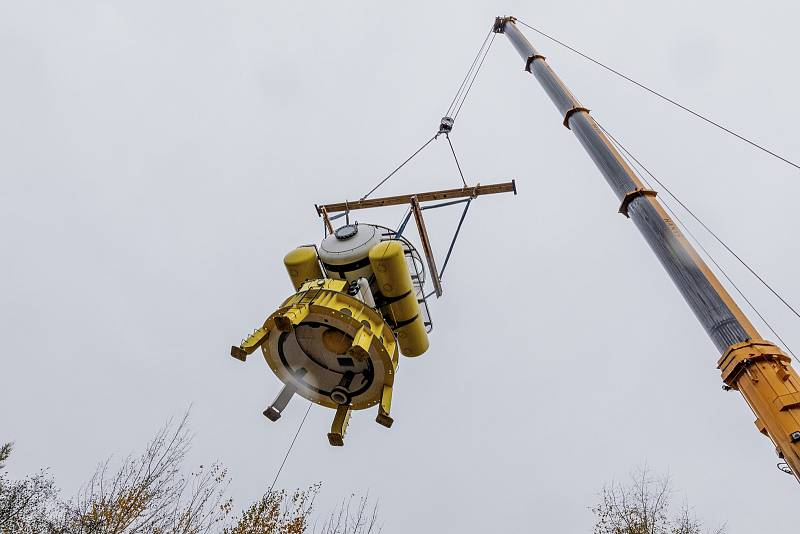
(443, 194)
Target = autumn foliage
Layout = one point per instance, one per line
(152, 494)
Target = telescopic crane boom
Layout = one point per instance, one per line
(757, 368)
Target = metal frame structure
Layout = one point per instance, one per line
(415, 201)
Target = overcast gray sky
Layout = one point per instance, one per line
(158, 159)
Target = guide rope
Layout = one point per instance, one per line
(665, 98)
(289, 450)
(626, 154)
(453, 150)
(420, 149)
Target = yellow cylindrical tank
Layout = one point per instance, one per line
(302, 264)
(394, 283)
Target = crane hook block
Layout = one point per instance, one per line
(446, 126)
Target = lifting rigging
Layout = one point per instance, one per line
(361, 295)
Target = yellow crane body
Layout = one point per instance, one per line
(764, 376)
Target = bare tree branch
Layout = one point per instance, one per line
(148, 494)
(364, 520)
(25, 505)
(643, 506)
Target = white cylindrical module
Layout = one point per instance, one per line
(345, 253)
(365, 292)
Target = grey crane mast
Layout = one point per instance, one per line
(749, 364)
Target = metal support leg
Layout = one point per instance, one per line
(273, 413)
(433, 272)
(384, 408)
(339, 426)
(250, 344)
(291, 317)
(361, 344)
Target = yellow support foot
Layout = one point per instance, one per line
(273, 412)
(339, 426)
(249, 345)
(385, 406)
(239, 353)
(361, 344)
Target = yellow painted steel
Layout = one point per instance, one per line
(394, 282)
(360, 332)
(339, 426)
(326, 297)
(763, 374)
(322, 341)
(302, 264)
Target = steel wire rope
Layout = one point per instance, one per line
(714, 235)
(453, 150)
(289, 450)
(451, 107)
(474, 77)
(420, 149)
(455, 107)
(664, 97)
(625, 154)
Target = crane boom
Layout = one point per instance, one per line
(749, 364)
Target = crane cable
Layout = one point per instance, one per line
(453, 150)
(289, 450)
(626, 154)
(452, 110)
(420, 149)
(665, 98)
(485, 52)
(719, 240)
(709, 121)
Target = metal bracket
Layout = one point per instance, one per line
(629, 197)
(323, 211)
(571, 112)
(500, 24)
(531, 59)
(735, 362)
(446, 125)
(426, 246)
